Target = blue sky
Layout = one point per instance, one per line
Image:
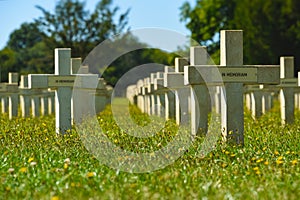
(144, 14)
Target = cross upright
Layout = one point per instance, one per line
(13, 100)
(200, 104)
(287, 89)
(25, 96)
(63, 82)
(160, 91)
(10, 91)
(175, 82)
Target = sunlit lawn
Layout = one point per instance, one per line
(36, 164)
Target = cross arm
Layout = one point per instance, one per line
(247, 74)
(43, 81)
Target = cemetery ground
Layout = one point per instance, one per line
(38, 164)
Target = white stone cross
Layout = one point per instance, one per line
(259, 99)
(287, 88)
(25, 96)
(159, 92)
(234, 74)
(175, 82)
(81, 99)
(170, 98)
(63, 83)
(11, 91)
(200, 102)
(140, 97)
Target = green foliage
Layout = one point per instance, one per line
(134, 59)
(270, 26)
(37, 164)
(8, 60)
(25, 37)
(29, 51)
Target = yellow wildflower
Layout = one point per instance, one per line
(23, 169)
(30, 159)
(66, 166)
(90, 174)
(266, 163)
(255, 168)
(288, 152)
(279, 161)
(265, 148)
(294, 162)
(224, 165)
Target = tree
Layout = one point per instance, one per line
(30, 51)
(270, 26)
(206, 19)
(132, 53)
(8, 62)
(73, 26)
(25, 37)
(30, 48)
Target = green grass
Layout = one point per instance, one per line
(37, 164)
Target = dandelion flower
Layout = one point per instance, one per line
(65, 166)
(30, 160)
(288, 152)
(23, 169)
(294, 162)
(265, 148)
(255, 168)
(278, 162)
(90, 174)
(266, 163)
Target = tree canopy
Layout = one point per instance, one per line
(270, 26)
(73, 26)
(30, 48)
